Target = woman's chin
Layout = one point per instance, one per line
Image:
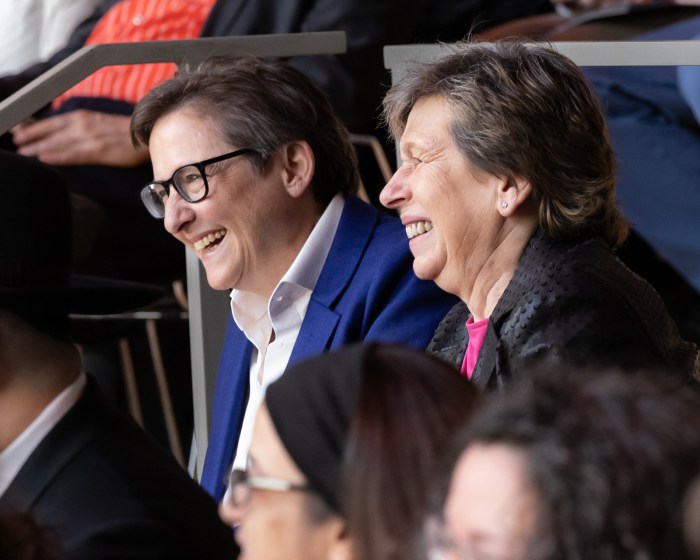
(217, 281)
(424, 270)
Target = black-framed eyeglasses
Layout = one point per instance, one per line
(190, 182)
(240, 486)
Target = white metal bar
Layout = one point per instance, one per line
(583, 53)
(87, 60)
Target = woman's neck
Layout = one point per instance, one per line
(495, 270)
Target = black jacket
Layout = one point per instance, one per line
(110, 492)
(574, 302)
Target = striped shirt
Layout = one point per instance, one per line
(132, 21)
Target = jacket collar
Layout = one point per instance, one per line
(351, 239)
(71, 434)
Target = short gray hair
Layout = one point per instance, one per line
(523, 109)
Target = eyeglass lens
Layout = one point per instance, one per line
(153, 197)
(237, 489)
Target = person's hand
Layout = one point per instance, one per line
(80, 138)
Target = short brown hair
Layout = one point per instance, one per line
(524, 109)
(261, 105)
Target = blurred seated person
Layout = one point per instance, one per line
(652, 115)
(507, 192)
(344, 449)
(85, 134)
(572, 7)
(255, 173)
(34, 30)
(77, 464)
(573, 465)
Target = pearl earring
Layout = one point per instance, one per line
(504, 205)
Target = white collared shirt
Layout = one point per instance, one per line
(284, 312)
(13, 457)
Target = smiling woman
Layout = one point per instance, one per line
(255, 173)
(507, 192)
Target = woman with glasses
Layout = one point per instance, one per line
(573, 465)
(343, 452)
(256, 175)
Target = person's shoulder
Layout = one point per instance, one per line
(567, 265)
(577, 284)
(376, 238)
(120, 483)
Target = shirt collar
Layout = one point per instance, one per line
(250, 309)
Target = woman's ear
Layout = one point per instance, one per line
(513, 192)
(341, 546)
(298, 165)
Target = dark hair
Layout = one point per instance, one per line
(21, 538)
(409, 407)
(610, 455)
(261, 105)
(522, 109)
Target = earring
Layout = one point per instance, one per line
(504, 205)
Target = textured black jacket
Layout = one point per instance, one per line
(574, 302)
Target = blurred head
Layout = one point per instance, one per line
(36, 255)
(22, 538)
(576, 465)
(492, 133)
(409, 408)
(357, 432)
(248, 214)
(278, 513)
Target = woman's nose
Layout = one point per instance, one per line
(178, 212)
(229, 513)
(396, 192)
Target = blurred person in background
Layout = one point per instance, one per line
(573, 464)
(77, 464)
(344, 449)
(34, 30)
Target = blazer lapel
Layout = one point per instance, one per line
(75, 430)
(355, 228)
(316, 338)
(230, 398)
(486, 364)
(451, 337)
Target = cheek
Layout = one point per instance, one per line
(276, 531)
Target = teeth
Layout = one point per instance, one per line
(208, 240)
(418, 228)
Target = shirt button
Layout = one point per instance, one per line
(279, 298)
(138, 19)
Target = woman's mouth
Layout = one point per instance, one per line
(209, 240)
(418, 228)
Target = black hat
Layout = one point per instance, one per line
(312, 406)
(36, 249)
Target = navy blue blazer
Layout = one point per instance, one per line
(367, 291)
